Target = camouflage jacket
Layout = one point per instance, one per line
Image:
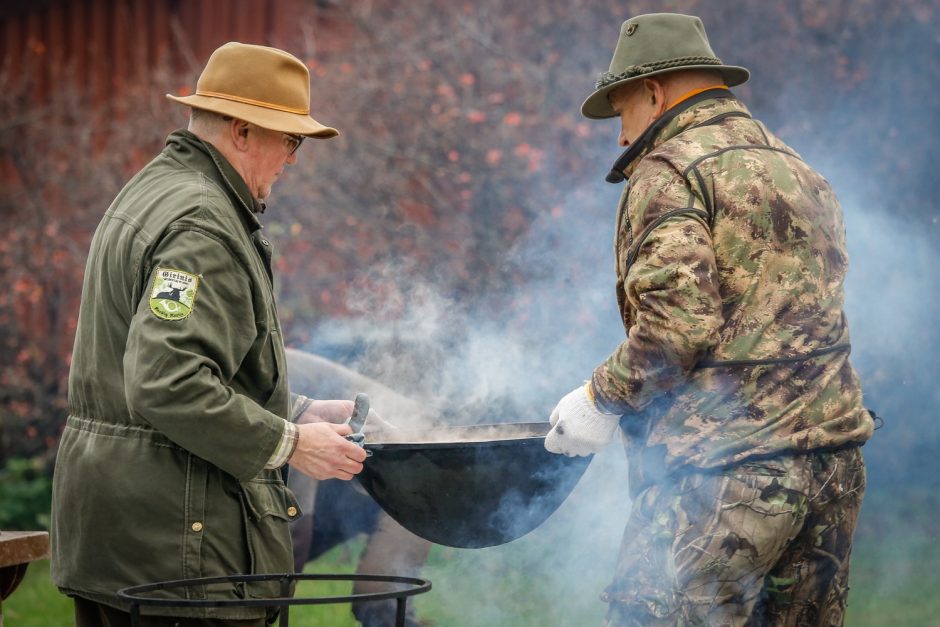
(730, 265)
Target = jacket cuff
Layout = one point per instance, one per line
(285, 447)
(604, 405)
(299, 406)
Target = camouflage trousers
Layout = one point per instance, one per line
(763, 543)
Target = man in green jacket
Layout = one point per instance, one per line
(180, 415)
(741, 414)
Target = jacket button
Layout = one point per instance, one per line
(197, 526)
(292, 511)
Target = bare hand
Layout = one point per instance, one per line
(338, 412)
(323, 453)
(332, 411)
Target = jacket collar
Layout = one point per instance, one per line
(200, 155)
(694, 111)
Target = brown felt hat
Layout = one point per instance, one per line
(653, 44)
(265, 86)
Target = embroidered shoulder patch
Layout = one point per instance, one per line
(173, 293)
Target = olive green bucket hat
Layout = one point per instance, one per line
(653, 44)
(257, 84)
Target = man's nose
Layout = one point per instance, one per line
(622, 138)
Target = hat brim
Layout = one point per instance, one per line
(597, 105)
(272, 119)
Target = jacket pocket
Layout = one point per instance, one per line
(269, 507)
(269, 498)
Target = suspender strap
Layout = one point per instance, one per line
(710, 363)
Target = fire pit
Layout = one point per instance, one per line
(471, 486)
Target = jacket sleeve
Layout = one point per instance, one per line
(671, 284)
(179, 373)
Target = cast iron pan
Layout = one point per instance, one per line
(470, 486)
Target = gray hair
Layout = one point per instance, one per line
(206, 123)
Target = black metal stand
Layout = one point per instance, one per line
(283, 602)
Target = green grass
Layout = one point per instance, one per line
(895, 582)
(895, 572)
(37, 603)
(541, 580)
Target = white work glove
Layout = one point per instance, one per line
(578, 427)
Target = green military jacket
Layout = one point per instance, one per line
(178, 394)
(730, 265)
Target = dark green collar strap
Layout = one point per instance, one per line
(642, 143)
(737, 363)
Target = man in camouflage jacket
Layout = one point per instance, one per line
(741, 414)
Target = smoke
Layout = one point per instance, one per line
(892, 304)
(510, 358)
(892, 228)
(502, 357)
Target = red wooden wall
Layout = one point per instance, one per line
(102, 44)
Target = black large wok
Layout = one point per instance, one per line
(471, 486)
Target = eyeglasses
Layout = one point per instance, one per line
(292, 142)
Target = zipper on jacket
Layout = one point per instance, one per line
(622, 215)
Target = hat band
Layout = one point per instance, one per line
(257, 103)
(638, 70)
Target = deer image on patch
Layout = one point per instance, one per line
(173, 294)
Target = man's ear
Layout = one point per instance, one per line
(238, 133)
(656, 96)
(649, 91)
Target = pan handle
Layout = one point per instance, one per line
(358, 420)
(360, 413)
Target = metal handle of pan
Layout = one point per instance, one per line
(360, 412)
(358, 420)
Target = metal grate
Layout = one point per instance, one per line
(414, 585)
